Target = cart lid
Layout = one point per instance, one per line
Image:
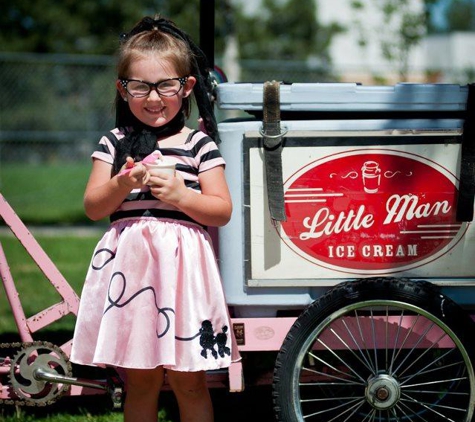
(338, 97)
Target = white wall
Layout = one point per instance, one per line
(456, 49)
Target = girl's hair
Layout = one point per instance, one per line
(162, 37)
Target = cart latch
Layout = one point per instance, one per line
(273, 135)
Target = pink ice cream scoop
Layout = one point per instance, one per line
(155, 160)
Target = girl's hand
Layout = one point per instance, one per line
(210, 207)
(167, 188)
(136, 178)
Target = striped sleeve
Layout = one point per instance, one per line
(105, 149)
(206, 152)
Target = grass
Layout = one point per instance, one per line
(70, 254)
(59, 415)
(69, 410)
(46, 194)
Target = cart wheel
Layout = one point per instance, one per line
(382, 349)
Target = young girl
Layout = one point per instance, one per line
(153, 302)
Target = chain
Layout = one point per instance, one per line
(24, 401)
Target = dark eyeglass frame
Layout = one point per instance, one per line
(182, 80)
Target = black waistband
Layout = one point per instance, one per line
(175, 215)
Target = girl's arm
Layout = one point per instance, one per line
(211, 207)
(104, 193)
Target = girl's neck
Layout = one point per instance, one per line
(172, 127)
(175, 140)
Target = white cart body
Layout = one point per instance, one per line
(371, 182)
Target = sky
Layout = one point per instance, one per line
(439, 9)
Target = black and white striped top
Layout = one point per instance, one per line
(199, 153)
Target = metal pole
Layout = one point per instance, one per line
(207, 25)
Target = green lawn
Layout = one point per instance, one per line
(60, 414)
(69, 410)
(46, 194)
(71, 256)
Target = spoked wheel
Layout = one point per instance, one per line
(378, 350)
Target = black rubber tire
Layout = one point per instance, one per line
(379, 349)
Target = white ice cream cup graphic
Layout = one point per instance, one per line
(371, 176)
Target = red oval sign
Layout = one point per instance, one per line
(371, 211)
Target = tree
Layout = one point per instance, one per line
(452, 15)
(284, 30)
(70, 26)
(461, 15)
(86, 26)
(402, 28)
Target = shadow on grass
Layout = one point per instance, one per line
(251, 405)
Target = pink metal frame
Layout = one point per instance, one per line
(70, 302)
(27, 326)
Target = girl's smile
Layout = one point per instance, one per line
(155, 110)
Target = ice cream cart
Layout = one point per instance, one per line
(353, 209)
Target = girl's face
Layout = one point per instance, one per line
(155, 110)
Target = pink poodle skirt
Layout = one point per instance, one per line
(153, 297)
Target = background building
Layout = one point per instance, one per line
(380, 47)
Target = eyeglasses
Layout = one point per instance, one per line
(165, 88)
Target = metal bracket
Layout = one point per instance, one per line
(272, 135)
